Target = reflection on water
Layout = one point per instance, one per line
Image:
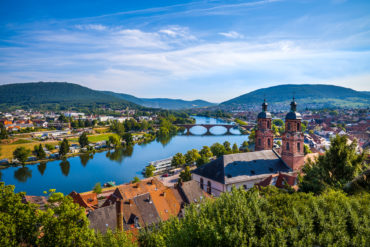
(41, 167)
(65, 167)
(23, 174)
(85, 158)
(81, 173)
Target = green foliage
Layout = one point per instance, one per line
(64, 147)
(39, 152)
(127, 137)
(240, 122)
(21, 154)
(306, 149)
(149, 171)
(268, 218)
(135, 180)
(97, 188)
(227, 146)
(3, 132)
(278, 122)
(218, 149)
(185, 175)
(252, 137)
(115, 239)
(338, 166)
(117, 127)
(244, 147)
(202, 160)
(114, 141)
(206, 152)
(49, 146)
(178, 160)
(192, 156)
(235, 148)
(83, 140)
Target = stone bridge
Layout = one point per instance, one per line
(208, 127)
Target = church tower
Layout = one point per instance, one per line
(293, 139)
(264, 134)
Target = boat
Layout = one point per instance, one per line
(109, 184)
(160, 165)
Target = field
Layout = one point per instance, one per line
(97, 138)
(7, 150)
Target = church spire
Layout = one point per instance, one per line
(264, 105)
(293, 105)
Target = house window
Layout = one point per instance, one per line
(259, 142)
(299, 147)
(298, 126)
(288, 126)
(209, 189)
(287, 146)
(268, 142)
(201, 183)
(268, 124)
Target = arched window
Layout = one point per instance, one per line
(299, 147)
(288, 126)
(268, 124)
(209, 188)
(259, 142)
(298, 126)
(287, 146)
(201, 183)
(268, 142)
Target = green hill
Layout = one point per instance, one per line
(51, 95)
(63, 95)
(164, 103)
(308, 95)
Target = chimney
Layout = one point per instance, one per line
(119, 211)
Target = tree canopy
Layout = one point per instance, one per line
(21, 154)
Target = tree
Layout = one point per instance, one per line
(21, 154)
(135, 180)
(227, 146)
(127, 137)
(268, 217)
(218, 149)
(185, 175)
(178, 160)
(191, 156)
(244, 147)
(49, 146)
(149, 171)
(118, 128)
(202, 160)
(3, 132)
(206, 152)
(235, 148)
(306, 149)
(114, 141)
(97, 188)
(64, 147)
(83, 140)
(338, 166)
(278, 122)
(252, 137)
(39, 152)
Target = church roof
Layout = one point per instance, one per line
(293, 115)
(233, 168)
(264, 114)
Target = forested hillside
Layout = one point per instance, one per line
(306, 94)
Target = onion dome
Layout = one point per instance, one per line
(264, 113)
(293, 114)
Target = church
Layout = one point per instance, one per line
(263, 166)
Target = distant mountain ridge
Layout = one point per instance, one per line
(35, 94)
(163, 103)
(308, 95)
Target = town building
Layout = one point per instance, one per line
(247, 169)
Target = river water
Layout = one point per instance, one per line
(83, 172)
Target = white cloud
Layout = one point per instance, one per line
(233, 35)
(97, 27)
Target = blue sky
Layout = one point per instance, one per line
(212, 50)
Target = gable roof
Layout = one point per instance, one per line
(147, 209)
(191, 192)
(41, 201)
(103, 218)
(233, 168)
(165, 203)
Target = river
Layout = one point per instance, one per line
(81, 173)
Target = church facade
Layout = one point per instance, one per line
(247, 169)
